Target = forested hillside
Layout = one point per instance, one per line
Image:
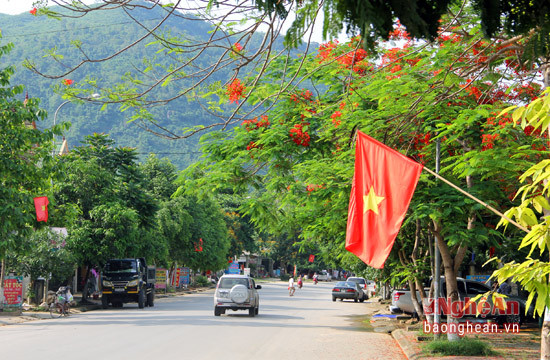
(102, 34)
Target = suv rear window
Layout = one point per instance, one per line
(228, 283)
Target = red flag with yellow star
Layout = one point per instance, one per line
(382, 188)
(41, 207)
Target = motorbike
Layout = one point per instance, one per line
(300, 284)
(315, 280)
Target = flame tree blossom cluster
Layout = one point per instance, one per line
(410, 96)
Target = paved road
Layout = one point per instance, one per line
(306, 326)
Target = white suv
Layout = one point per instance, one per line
(236, 292)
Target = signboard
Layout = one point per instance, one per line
(479, 278)
(13, 291)
(176, 278)
(234, 268)
(184, 276)
(161, 275)
(247, 271)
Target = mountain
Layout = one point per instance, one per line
(102, 33)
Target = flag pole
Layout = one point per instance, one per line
(476, 199)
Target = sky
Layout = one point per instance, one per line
(14, 7)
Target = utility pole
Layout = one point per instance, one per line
(437, 255)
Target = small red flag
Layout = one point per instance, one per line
(198, 246)
(311, 258)
(41, 207)
(382, 188)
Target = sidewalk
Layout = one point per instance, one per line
(32, 315)
(524, 346)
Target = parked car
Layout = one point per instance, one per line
(348, 290)
(371, 288)
(324, 276)
(368, 286)
(236, 292)
(402, 302)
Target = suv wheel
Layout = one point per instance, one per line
(333, 298)
(252, 312)
(104, 302)
(151, 298)
(141, 299)
(238, 294)
(257, 309)
(217, 311)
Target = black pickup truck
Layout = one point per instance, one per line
(128, 280)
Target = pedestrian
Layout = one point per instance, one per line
(300, 282)
(291, 288)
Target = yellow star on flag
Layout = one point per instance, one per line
(371, 201)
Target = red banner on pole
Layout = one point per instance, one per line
(311, 258)
(382, 188)
(41, 207)
(198, 246)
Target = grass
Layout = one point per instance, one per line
(462, 347)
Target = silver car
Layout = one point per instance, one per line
(236, 292)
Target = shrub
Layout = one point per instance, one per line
(285, 277)
(464, 347)
(201, 280)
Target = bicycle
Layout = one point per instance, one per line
(61, 305)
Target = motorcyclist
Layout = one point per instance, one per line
(300, 282)
(315, 278)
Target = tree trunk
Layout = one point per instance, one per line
(85, 287)
(450, 281)
(2, 266)
(417, 284)
(544, 336)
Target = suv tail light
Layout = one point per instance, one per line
(397, 295)
(336, 290)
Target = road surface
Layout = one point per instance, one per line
(306, 326)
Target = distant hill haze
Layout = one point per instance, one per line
(102, 34)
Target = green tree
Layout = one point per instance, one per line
(161, 176)
(25, 163)
(296, 163)
(184, 221)
(115, 213)
(45, 253)
(532, 213)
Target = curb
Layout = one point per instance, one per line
(411, 350)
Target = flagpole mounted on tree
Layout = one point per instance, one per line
(383, 184)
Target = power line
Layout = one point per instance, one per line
(7, 35)
(171, 153)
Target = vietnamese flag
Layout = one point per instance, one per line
(198, 246)
(41, 207)
(382, 188)
(311, 258)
